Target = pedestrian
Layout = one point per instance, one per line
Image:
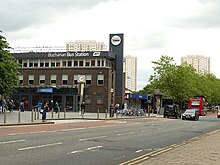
(10, 105)
(44, 112)
(21, 106)
(83, 108)
(112, 109)
(1, 105)
(56, 106)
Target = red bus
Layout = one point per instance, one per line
(198, 103)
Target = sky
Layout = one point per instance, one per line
(151, 28)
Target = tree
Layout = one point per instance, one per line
(8, 68)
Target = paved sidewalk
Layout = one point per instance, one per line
(29, 117)
(203, 150)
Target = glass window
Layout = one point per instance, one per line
(88, 99)
(92, 62)
(98, 63)
(88, 79)
(53, 61)
(75, 63)
(20, 62)
(103, 62)
(100, 79)
(53, 79)
(64, 63)
(21, 79)
(31, 63)
(88, 63)
(35, 63)
(65, 79)
(25, 63)
(69, 63)
(99, 99)
(75, 79)
(41, 63)
(58, 64)
(42, 79)
(81, 63)
(31, 79)
(47, 63)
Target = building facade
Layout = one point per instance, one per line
(70, 78)
(199, 62)
(130, 69)
(85, 45)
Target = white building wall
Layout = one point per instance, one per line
(130, 69)
(199, 62)
(85, 45)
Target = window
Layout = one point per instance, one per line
(42, 79)
(80, 63)
(53, 63)
(58, 64)
(88, 99)
(100, 79)
(87, 63)
(69, 63)
(41, 63)
(53, 79)
(35, 63)
(98, 63)
(99, 99)
(88, 79)
(103, 62)
(75, 79)
(64, 63)
(31, 79)
(31, 63)
(65, 79)
(20, 62)
(75, 63)
(93, 63)
(21, 79)
(46, 63)
(25, 63)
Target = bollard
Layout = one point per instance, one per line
(38, 113)
(64, 113)
(58, 113)
(35, 114)
(106, 112)
(4, 110)
(32, 115)
(19, 115)
(98, 114)
(52, 113)
(148, 112)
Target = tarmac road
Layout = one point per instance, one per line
(97, 142)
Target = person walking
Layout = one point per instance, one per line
(21, 106)
(56, 106)
(44, 112)
(83, 108)
(10, 105)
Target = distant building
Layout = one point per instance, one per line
(85, 45)
(199, 62)
(130, 70)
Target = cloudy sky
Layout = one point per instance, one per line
(151, 27)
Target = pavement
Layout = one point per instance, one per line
(201, 150)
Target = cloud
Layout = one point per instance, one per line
(205, 15)
(18, 14)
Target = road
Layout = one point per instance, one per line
(96, 142)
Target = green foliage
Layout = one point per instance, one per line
(8, 69)
(181, 82)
